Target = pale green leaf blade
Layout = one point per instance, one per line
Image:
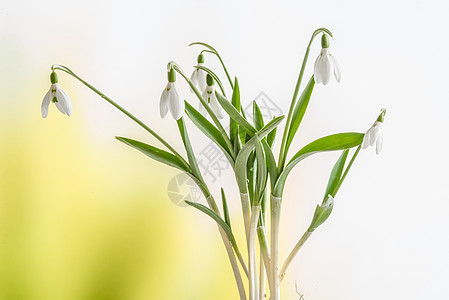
(155, 153)
(339, 141)
(322, 213)
(225, 208)
(335, 176)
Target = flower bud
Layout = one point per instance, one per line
(171, 75)
(200, 58)
(53, 77)
(381, 117)
(210, 80)
(324, 41)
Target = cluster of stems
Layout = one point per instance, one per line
(260, 178)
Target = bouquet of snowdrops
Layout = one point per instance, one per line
(248, 147)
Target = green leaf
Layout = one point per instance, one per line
(335, 176)
(271, 137)
(322, 213)
(208, 129)
(235, 115)
(339, 141)
(257, 116)
(271, 162)
(262, 176)
(156, 154)
(225, 208)
(233, 126)
(219, 221)
(188, 146)
(242, 157)
(299, 111)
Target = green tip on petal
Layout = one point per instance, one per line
(53, 77)
(171, 75)
(200, 58)
(210, 80)
(381, 117)
(325, 41)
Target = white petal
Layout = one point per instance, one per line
(46, 103)
(366, 139)
(375, 131)
(201, 79)
(316, 74)
(379, 143)
(337, 72)
(175, 103)
(323, 67)
(163, 103)
(64, 101)
(215, 106)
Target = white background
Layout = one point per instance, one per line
(388, 235)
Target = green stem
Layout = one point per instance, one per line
(127, 113)
(347, 169)
(283, 151)
(207, 107)
(292, 255)
(275, 220)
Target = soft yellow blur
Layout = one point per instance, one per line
(86, 220)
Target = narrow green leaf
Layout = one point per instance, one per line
(188, 146)
(322, 213)
(219, 221)
(271, 162)
(271, 136)
(156, 154)
(299, 111)
(234, 114)
(208, 129)
(242, 157)
(257, 116)
(262, 175)
(339, 141)
(225, 208)
(251, 175)
(335, 176)
(235, 101)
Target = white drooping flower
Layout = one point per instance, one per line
(374, 135)
(326, 64)
(211, 99)
(170, 99)
(58, 96)
(198, 76)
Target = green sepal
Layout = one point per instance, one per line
(156, 154)
(208, 129)
(339, 141)
(322, 213)
(335, 176)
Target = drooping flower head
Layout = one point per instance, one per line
(210, 98)
(198, 77)
(58, 96)
(374, 135)
(170, 99)
(326, 64)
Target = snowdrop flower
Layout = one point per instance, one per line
(58, 96)
(198, 77)
(325, 64)
(374, 135)
(170, 99)
(211, 99)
